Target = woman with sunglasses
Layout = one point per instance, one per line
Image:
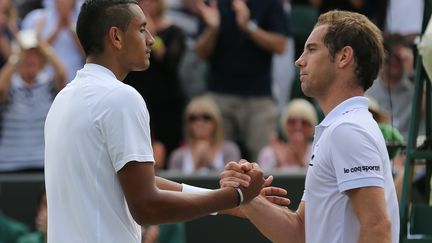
(205, 150)
(297, 122)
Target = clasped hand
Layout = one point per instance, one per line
(246, 175)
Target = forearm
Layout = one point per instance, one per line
(6, 75)
(375, 233)
(59, 69)
(53, 36)
(170, 207)
(5, 49)
(168, 185)
(206, 43)
(274, 43)
(277, 223)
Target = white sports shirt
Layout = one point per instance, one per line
(96, 125)
(349, 152)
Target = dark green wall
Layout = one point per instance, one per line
(19, 195)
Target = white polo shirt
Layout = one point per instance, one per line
(349, 152)
(96, 125)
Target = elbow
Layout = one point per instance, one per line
(202, 55)
(149, 212)
(381, 229)
(280, 48)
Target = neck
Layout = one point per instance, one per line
(29, 80)
(114, 66)
(329, 102)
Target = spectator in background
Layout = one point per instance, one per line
(298, 123)
(192, 70)
(8, 28)
(238, 38)
(26, 6)
(164, 233)
(55, 23)
(160, 85)
(374, 10)
(159, 153)
(393, 90)
(26, 94)
(392, 136)
(283, 68)
(205, 148)
(405, 17)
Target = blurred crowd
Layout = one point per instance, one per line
(222, 84)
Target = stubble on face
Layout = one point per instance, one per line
(316, 71)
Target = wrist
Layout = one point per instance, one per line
(240, 195)
(13, 59)
(251, 27)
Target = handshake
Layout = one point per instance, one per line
(248, 178)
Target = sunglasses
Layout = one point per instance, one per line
(202, 117)
(295, 121)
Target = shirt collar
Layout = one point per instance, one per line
(99, 70)
(344, 108)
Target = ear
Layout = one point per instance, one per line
(345, 57)
(115, 37)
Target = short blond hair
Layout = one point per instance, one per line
(299, 108)
(204, 104)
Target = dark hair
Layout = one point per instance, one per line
(357, 31)
(97, 17)
(392, 40)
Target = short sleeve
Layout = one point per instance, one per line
(356, 158)
(125, 127)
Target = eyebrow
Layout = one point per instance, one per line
(310, 45)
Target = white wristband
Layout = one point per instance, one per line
(252, 26)
(193, 189)
(240, 196)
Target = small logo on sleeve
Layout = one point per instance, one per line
(364, 168)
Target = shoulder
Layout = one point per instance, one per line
(123, 93)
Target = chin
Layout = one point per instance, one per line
(142, 67)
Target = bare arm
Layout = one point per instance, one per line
(59, 69)
(370, 207)
(6, 73)
(207, 40)
(272, 42)
(165, 184)
(150, 205)
(278, 224)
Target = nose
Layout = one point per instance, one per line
(150, 39)
(300, 62)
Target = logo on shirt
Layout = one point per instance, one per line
(365, 168)
(313, 156)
